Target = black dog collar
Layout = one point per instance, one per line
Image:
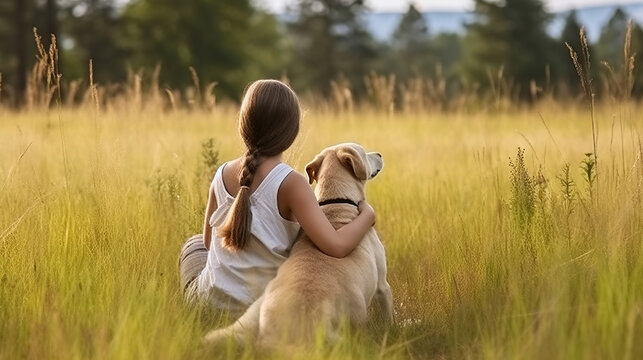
(338, 201)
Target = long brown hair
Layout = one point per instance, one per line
(268, 124)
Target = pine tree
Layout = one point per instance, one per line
(571, 31)
(511, 35)
(330, 40)
(610, 47)
(610, 43)
(412, 46)
(412, 29)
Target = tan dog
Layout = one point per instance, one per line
(312, 291)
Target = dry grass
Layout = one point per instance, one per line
(91, 224)
(490, 255)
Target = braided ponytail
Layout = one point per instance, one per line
(235, 231)
(268, 125)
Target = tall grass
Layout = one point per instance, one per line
(492, 252)
(89, 248)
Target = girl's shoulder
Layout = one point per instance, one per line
(293, 185)
(229, 169)
(290, 190)
(227, 175)
(295, 180)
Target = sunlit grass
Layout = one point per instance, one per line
(93, 215)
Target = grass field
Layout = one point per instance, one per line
(487, 258)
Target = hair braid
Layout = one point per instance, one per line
(236, 229)
(268, 125)
(249, 167)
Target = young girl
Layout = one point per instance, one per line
(257, 205)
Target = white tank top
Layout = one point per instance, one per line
(245, 274)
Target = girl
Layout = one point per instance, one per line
(257, 205)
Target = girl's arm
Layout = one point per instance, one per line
(303, 205)
(209, 209)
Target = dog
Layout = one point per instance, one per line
(314, 293)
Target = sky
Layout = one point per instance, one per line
(427, 5)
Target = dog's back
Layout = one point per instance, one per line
(314, 293)
(300, 302)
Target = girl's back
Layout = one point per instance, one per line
(244, 274)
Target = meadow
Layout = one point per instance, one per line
(504, 239)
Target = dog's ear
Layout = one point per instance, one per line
(350, 158)
(312, 169)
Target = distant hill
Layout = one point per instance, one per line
(383, 24)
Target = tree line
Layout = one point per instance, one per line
(315, 45)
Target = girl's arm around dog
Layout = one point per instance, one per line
(302, 205)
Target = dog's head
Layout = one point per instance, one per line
(342, 170)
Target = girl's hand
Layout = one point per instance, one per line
(366, 209)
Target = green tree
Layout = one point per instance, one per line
(509, 34)
(227, 41)
(412, 45)
(571, 31)
(610, 48)
(447, 49)
(412, 29)
(11, 47)
(267, 50)
(329, 40)
(17, 48)
(610, 43)
(81, 32)
(94, 30)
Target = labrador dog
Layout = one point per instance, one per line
(313, 293)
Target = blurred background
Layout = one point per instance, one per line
(345, 50)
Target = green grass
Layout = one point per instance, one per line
(93, 215)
